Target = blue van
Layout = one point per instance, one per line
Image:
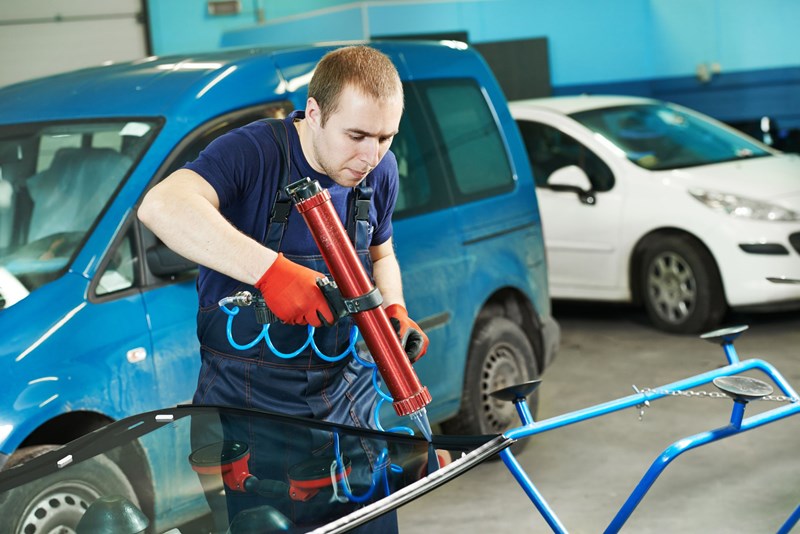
(98, 317)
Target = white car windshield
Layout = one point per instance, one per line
(55, 180)
(661, 137)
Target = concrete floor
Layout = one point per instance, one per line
(748, 483)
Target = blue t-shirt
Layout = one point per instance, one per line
(242, 167)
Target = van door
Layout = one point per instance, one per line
(116, 306)
(582, 238)
(171, 297)
(427, 240)
(501, 254)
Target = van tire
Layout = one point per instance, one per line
(60, 499)
(500, 355)
(680, 285)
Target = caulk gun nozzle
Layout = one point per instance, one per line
(420, 418)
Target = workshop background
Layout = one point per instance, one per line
(736, 60)
(732, 59)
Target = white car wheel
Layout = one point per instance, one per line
(681, 288)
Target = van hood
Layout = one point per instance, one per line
(773, 179)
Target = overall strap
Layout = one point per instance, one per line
(282, 204)
(358, 216)
(358, 206)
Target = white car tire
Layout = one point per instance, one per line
(680, 285)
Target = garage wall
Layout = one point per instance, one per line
(748, 51)
(569, 26)
(42, 37)
(732, 59)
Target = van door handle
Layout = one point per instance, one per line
(139, 354)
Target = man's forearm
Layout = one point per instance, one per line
(386, 272)
(180, 212)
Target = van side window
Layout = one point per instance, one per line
(550, 149)
(154, 249)
(120, 271)
(190, 152)
(472, 144)
(422, 188)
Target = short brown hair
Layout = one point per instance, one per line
(363, 67)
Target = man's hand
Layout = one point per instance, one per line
(412, 338)
(290, 291)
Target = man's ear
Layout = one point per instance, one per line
(313, 113)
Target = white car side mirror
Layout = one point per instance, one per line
(573, 179)
(571, 175)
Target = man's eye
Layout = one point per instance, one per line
(356, 137)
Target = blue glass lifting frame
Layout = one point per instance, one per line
(738, 424)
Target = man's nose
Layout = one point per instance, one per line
(370, 152)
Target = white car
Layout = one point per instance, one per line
(649, 202)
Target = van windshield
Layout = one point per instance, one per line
(663, 137)
(55, 180)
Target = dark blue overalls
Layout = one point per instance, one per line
(306, 385)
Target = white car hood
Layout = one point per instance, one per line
(773, 179)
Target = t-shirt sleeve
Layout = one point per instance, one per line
(227, 164)
(385, 198)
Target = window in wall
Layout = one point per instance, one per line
(550, 149)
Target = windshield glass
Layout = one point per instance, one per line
(55, 180)
(216, 469)
(661, 137)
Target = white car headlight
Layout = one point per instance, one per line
(746, 208)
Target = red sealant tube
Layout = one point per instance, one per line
(314, 204)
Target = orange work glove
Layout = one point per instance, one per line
(412, 338)
(290, 291)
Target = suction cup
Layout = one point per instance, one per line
(724, 336)
(227, 458)
(218, 454)
(516, 393)
(112, 514)
(308, 477)
(743, 388)
(259, 520)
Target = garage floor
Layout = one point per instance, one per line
(748, 483)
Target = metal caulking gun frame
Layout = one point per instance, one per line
(410, 396)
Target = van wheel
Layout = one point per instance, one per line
(680, 286)
(500, 355)
(55, 503)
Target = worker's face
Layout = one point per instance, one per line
(355, 137)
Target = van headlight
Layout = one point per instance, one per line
(745, 208)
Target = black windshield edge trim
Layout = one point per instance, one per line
(85, 447)
(126, 430)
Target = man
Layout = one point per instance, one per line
(217, 210)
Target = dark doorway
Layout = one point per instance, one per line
(521, 66)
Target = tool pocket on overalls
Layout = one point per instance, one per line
(232, 336)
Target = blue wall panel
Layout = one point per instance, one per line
(729, 97)
(329, 25)
(647, 47)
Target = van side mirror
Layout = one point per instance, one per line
(573, 179)
(164, 262)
